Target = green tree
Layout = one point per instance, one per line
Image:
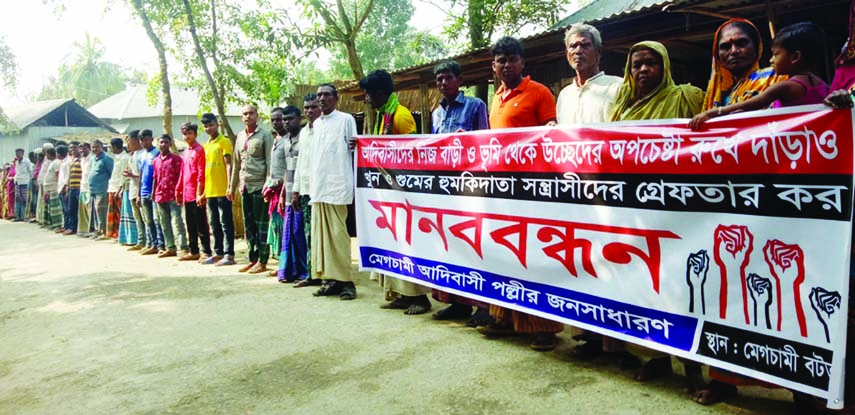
(87, 77)
(475, 22)
(389, 42)
(343, 22)
(140, 8)
(8, 65)
(215, 84)
(8, 77)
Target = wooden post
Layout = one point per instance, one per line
(424, 107)
(771, 16)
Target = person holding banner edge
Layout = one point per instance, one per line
(393, 118)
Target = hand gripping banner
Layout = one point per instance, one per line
(728, 246)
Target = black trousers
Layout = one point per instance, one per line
(196, 219)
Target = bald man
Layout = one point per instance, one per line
(251, 168)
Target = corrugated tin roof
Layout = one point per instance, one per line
(24, 115)
(609, 9)
(133, 103)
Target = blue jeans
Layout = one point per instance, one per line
(154, 234)
(72, 197)
(222, 225)
(172, 223)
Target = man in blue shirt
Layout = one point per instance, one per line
(153, 231)
(456, 112)
(99, 175)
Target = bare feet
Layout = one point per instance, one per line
(258, 268)
(655, 368)
(714, 393)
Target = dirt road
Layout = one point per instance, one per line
(86, 328)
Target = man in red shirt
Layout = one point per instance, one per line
(519, 102)
(167, 171)
(191, 194)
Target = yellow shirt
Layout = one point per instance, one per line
(216, 179)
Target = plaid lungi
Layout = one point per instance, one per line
(53, 211)
(274, 232)
(127, 224)
(114, 213)
(292, 258)
(256, 221)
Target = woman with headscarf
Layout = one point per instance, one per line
(736, 74)
(10, 190)
(736, 77)
(648, 93)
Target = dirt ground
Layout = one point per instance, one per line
(86, 328)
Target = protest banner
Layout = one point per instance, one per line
(728, 246)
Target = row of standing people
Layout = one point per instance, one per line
(296, 186)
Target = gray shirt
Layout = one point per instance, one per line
(251, 160)
(283, 163)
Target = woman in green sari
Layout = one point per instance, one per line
(649, 93)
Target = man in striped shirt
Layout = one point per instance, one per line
(72, 188)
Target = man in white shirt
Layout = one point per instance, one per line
(330, 166)
(589, 97)
(62, 182)
(84, 204)
(52, 206)
(114, 187)
(132, 174)
(40, 203)
(23, 175)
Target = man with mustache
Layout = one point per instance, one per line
(519, 102)
(587, 99)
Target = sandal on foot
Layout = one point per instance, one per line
(453, 312)
(402, 303)
(544, 342)
(348, 292)
(587, 350)
(628, 361)
(497, 330)
(480, 319)
(329, 288)
(418, 305)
